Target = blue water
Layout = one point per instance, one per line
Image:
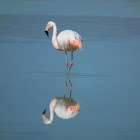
(105, 78)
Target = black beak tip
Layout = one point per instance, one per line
(44, 112)
(47, 33)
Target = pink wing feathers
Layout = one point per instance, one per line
(75, 43)
(69, 40)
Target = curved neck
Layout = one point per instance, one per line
(48, 120)
(54, 31)
(54, 37)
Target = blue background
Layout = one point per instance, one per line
(105, 75)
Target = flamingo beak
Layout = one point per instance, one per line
(44, 112)
(47, 33)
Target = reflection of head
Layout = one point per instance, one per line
(64, 108)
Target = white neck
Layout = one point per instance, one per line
(48, 120)
(54, 37)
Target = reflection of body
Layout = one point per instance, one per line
(64, 108)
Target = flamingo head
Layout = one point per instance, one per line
(49, 26)
(45, 118)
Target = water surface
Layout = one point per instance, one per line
(105, 78)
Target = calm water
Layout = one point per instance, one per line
(105, 78)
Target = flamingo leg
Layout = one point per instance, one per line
(70, 86)
(67, 76)
(66, 61)
(68, 79)
(65, 90)
(71, 61)
(66, 73)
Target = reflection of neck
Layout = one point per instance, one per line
(48, 120)
(51, 115)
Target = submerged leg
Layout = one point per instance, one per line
(70, 90)
(68, 79)
(70, 85)
(65, 89)
(67, 73)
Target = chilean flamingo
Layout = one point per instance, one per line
(66, 40)
(64, 108)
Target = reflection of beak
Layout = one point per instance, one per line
(47, 33)
(44, 112)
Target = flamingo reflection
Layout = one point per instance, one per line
(63, 107)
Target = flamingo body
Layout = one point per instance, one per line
(64, 108)
(69, 40)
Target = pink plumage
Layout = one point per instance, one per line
(66, 40)
(69, 40)
(64, 108)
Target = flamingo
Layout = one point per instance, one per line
(66, 40)
(64, 108)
